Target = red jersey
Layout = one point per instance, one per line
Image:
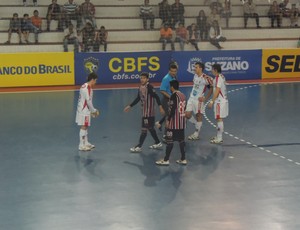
(177, 118)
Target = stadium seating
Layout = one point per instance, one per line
(121, 19)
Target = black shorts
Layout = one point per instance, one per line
(175, 134)
(148, 122)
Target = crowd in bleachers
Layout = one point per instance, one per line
(87, 37)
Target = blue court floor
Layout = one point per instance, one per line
(251, 182)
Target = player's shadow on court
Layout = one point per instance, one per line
(153, 173)
(206, 159)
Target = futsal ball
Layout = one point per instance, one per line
(95, 114)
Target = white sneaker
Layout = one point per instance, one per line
(84, 148)
(91, 146)
(181, 162)
(136, 149)
(215, 140)
(193, 137)
(162, 162)
(156, 146)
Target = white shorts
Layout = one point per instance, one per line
(82, 119)
(195, 105)
(221, 109)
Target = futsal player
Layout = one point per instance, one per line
(220, 102)
(176, 124)
(85, 109)
(147, 96)
(201, 92)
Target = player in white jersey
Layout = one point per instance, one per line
(220, 102)
(202, 90)
(85, 109)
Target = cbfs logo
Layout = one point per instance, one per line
(91, 65)
(191, 64)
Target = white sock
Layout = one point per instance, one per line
(82, 134)
(198, 126)
(86, 137)
(220, 130)
(193, 120)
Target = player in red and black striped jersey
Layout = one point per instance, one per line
(176, 124)
(147, 96)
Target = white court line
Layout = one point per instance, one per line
(247, 142)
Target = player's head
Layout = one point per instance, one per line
(216, 69)
(199, 67)
(173, 68)
(144, 78)
(92, 78)
(174, 85)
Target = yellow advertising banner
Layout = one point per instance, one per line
(280, 63)
(37, 69)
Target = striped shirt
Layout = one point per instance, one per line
(70, 8)
(177, 108)
(147, 96)
(145, 9)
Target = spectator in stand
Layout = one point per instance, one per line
(275, 13)
(226, 11)
(37, 22)
(34, 3)
(294, 16)
(193, 35)
(27, 27)
(71, 38)
(147, 14)
(88, 36)
(88, 11)
(202, 25)
(166, 35)
(164, 12)
(214, 16)
(100, 39)
(14, 27)
(215, 35)
(177, 12)
(250, 12)
(298, 43)
(54, 13)
(216, 5)
(71, 11)
(181, 36)
(285, 8)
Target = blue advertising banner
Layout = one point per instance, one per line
(118, 68)
(236, 65)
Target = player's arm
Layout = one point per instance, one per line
(173, 106)
(163, 88)
(216, 94)
(136, 100)
(154, 95)
(88, 98)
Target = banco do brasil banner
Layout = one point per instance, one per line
(114, 68)
(36, 69)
